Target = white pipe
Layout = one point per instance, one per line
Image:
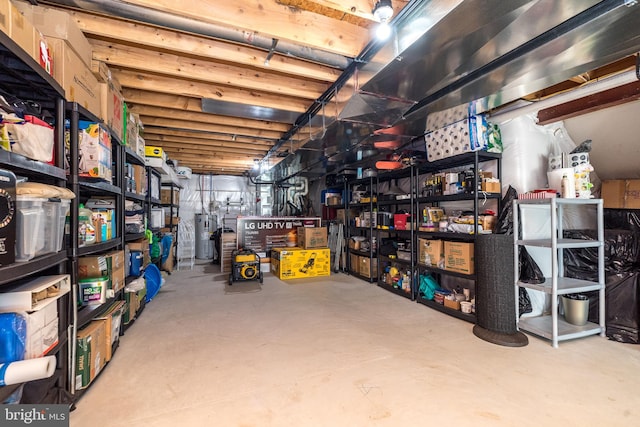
(587, 89)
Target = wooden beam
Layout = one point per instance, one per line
(205, 136)
(598, 101)
(209, 145)
(176, 86)
(213, 119)
(120, 55)
(212, 150)
(153, 37)
(359, 8)
(184, 153)
(189, 125)
(270, 19)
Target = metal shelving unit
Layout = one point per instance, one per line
(550, 325)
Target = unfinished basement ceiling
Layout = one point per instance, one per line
(219, 84)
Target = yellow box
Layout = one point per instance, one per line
(152, 151)
(459, 256)
(298, 263)
(431, 252)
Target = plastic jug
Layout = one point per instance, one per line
(86, 230)
(136, 263)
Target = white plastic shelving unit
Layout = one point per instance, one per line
(550, 325)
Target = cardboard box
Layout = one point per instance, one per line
(354, 263)
(112, 319)
(143, 246)
(140, 176)
(42, 331)
(60, 25)
(5, 16)
(368, 267)
(455, 305)
(341, 215)
(165, 196)
(112, 109)
(153, 151)
(491, 185)
(459, 256)
(488, 222)
(297, 263)
(21, 30)
(431, 252)
(168, 219)
(75, 77)
(312, 237)
(111, 265)
(35, 294)
(91, 349)
(621, 194)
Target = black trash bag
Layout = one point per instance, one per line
(524, 302)
(622, 299)
(529, 270)
(623, 219)
(505, 219)
(621, 254)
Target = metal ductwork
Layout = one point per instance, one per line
(121, 9)
(490, 51)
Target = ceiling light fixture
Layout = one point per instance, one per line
(382, 11)
(256, 164)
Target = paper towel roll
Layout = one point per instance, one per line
(27, 370)
(555, 180)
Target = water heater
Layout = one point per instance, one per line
(205, 226)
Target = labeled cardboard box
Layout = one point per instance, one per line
(58, 24)
(312, 237)
(297, 263)
(112, 319)
(621, 193)
(75, 77)
(431, 252)
(459, 256)
(110, 265)
(91, 349)
(112, 108)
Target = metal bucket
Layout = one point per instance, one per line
(576, 309)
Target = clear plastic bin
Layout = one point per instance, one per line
(40, 226)
(29, 227)
(55, 212)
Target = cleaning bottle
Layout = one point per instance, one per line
(86, 230)
(564, 186)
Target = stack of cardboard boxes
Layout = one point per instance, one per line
(310, 258)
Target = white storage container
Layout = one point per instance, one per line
(157, 217)
(30, 220)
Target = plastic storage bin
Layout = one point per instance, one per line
(136, 263)
(55, 212)
(30, 220)
(157, 217)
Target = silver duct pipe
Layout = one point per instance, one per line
(125, 10)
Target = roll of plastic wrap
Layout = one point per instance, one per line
(27, 370)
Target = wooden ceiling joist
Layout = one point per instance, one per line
(119, 55)
(192, 45)
(204, 137)
(208, 152)
(270, 19)
(181, 114)
(190, 125)
(175, 86)
(245, 148)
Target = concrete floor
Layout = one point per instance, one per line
(341, 352)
